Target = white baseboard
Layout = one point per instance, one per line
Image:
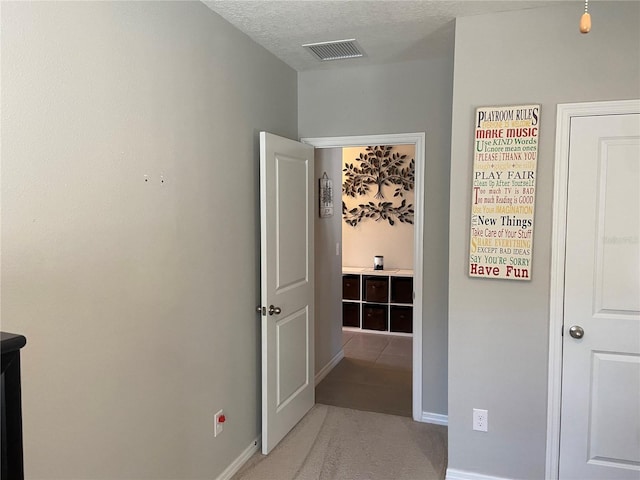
(237, 464)
(453, 474)
(436, 418)
(329, 366)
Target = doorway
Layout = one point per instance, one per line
(417, 140)
(376, 190)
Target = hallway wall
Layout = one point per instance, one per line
(405, 97)
(328, 286)
(371, 236)
(137, 298)
(499, 329)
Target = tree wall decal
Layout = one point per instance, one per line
(378, 167)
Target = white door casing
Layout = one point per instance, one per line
(594, 381)
(418, 140)
(287, 284)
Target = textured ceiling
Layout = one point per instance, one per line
(388, 31)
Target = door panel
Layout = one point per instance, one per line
(287, 273)
(292, 336)
(292, 264)
(615, 415)
(600, 417)
(617, 280)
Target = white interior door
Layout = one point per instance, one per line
(600, 414)
(287, 285)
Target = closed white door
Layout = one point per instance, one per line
(287, 285)
(600, 416)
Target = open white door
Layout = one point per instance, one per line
(600, 415)
(287, 285)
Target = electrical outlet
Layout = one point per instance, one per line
(480, 420)
(218, 423)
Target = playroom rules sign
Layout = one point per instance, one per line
(505, 155)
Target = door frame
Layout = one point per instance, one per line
(418, 140)
(565, 113)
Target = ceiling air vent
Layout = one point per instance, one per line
(336, 50)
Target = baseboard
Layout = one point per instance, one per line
(436, 418)
(453, 474)
(237, 464)
(329, 366)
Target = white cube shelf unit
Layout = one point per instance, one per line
(377, 301)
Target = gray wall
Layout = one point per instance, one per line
(498, 330)
(328, 286)
(400, 98)
(137, 298)
(369, 237)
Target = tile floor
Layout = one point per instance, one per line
(375, 375)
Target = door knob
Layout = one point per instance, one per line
(275, 310)
(576, 331)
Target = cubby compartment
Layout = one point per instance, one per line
(350, 314)
(351, 287)
(402, 290)
(376, 289)
(401, 319)
(374, 317)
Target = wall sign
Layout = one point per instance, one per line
(326, 196)
(505, 156)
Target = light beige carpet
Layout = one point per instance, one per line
(333, 443)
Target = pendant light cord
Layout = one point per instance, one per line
(585, 20)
